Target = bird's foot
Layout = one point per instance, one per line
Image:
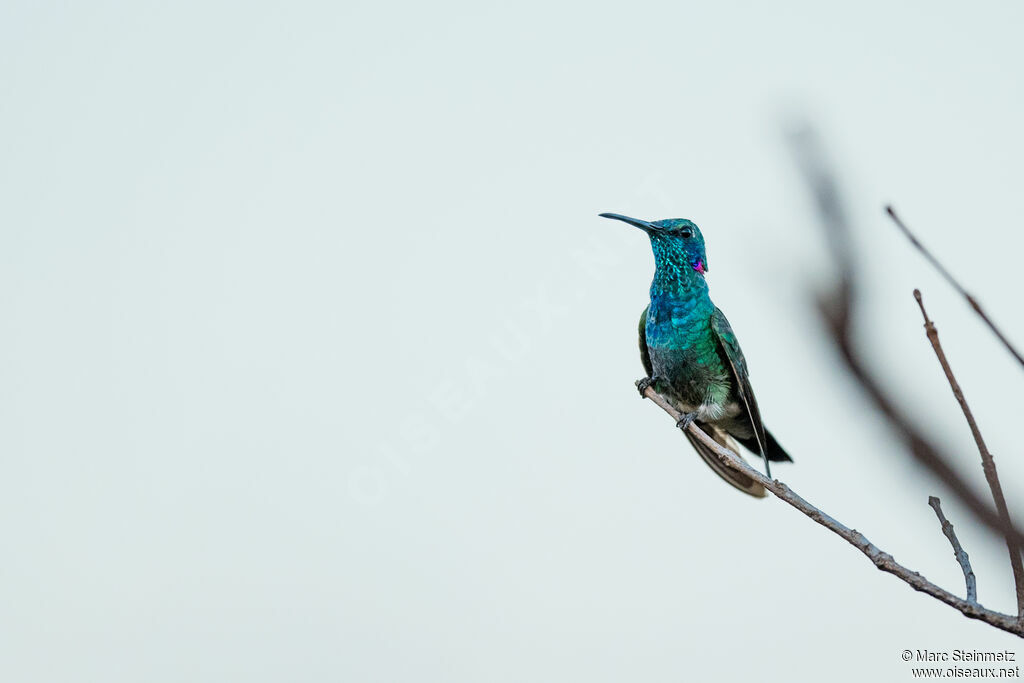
(687, 420)
(642, 384)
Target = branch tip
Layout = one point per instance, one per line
(920, 304)
(958, 551)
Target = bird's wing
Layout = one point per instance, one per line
(645, 355)
(733, 353)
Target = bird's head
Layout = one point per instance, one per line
(677, 242)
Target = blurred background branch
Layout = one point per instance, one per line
(836, 304)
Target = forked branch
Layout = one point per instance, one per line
(988, 464)
(837, 303)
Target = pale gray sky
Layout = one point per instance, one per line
(317, 361)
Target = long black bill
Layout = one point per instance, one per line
(635, 222)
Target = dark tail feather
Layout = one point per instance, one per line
(774, 451)
(737, 479)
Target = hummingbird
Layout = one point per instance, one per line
(691, 354)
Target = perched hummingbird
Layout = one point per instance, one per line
(691, 354)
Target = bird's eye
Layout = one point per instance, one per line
(686, 232)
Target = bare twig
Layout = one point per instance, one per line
(884, 561)
(988, 463)
(923, 450)
(957, 286)
(836, 307)
(958, 550)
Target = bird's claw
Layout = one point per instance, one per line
(686, 420)
(643, 384)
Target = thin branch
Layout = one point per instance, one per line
(884, 561)
(836, 305)
(956, 285)
(958, 550)
(988, 463)
(923, 450)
